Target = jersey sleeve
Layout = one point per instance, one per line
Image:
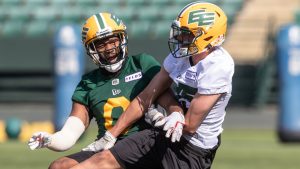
(150, 66)
(217, 78)
(169, 62)
(80, 94)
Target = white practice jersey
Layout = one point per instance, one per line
(212, 75)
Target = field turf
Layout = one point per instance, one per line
(240, 149)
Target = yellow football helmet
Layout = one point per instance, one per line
(101, 26)
(198, 27)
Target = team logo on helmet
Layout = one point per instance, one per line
(201, 17)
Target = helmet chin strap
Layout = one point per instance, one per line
(183, 51)
(113, 68)
(204, 50)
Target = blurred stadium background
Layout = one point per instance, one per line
(27, 83)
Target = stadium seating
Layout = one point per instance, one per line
(135, 3)
(160, 2)
(138, 29)
(23, 14)
(148, 13)
(72, 15)
(37, 28)
(75, 11)
(34, 21)
(11, 3)
(160, 30)
(85, 3)
(127, 14)
(12, 28)
(60, 3)
(26, 66)
(35, 3)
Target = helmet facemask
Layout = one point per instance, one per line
(101, 58)
(182, 41)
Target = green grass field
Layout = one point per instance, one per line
(240, 149)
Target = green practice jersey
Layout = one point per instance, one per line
(108, 96)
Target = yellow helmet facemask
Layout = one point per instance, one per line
(198, 27)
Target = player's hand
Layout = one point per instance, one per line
(39, 140)
(174, 126)
(154, 117)
(104, 143)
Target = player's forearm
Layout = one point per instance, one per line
(168, 102)
(68, 135)
(127, 118)
(195, 115)
(193, 119)
(199, 108)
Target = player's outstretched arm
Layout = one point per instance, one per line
(67, 136)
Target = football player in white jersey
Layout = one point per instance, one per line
(202, 74)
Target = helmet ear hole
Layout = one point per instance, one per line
(92, 47)
(208, 38)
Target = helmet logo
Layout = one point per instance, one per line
(201, 17)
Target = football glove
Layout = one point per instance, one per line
(154, 117)
(174, 126)
(39, 140)
(104, 143)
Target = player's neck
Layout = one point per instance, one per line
(200, 56)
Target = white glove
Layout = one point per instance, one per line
(154, 117)
(104, 143)
(174, 126)
(39, 140)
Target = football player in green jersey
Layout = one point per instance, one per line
(103, 93)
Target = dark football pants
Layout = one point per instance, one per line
(150, 149)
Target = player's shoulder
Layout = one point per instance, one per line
(222, 54)
(142, 56)
(90, 74)
(217, 63)
(170, 59)
(90, 77)
(171, 63)
(218, 58)
(144, 59)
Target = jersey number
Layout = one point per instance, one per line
(108, 109)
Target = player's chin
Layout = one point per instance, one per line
(113, 60)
